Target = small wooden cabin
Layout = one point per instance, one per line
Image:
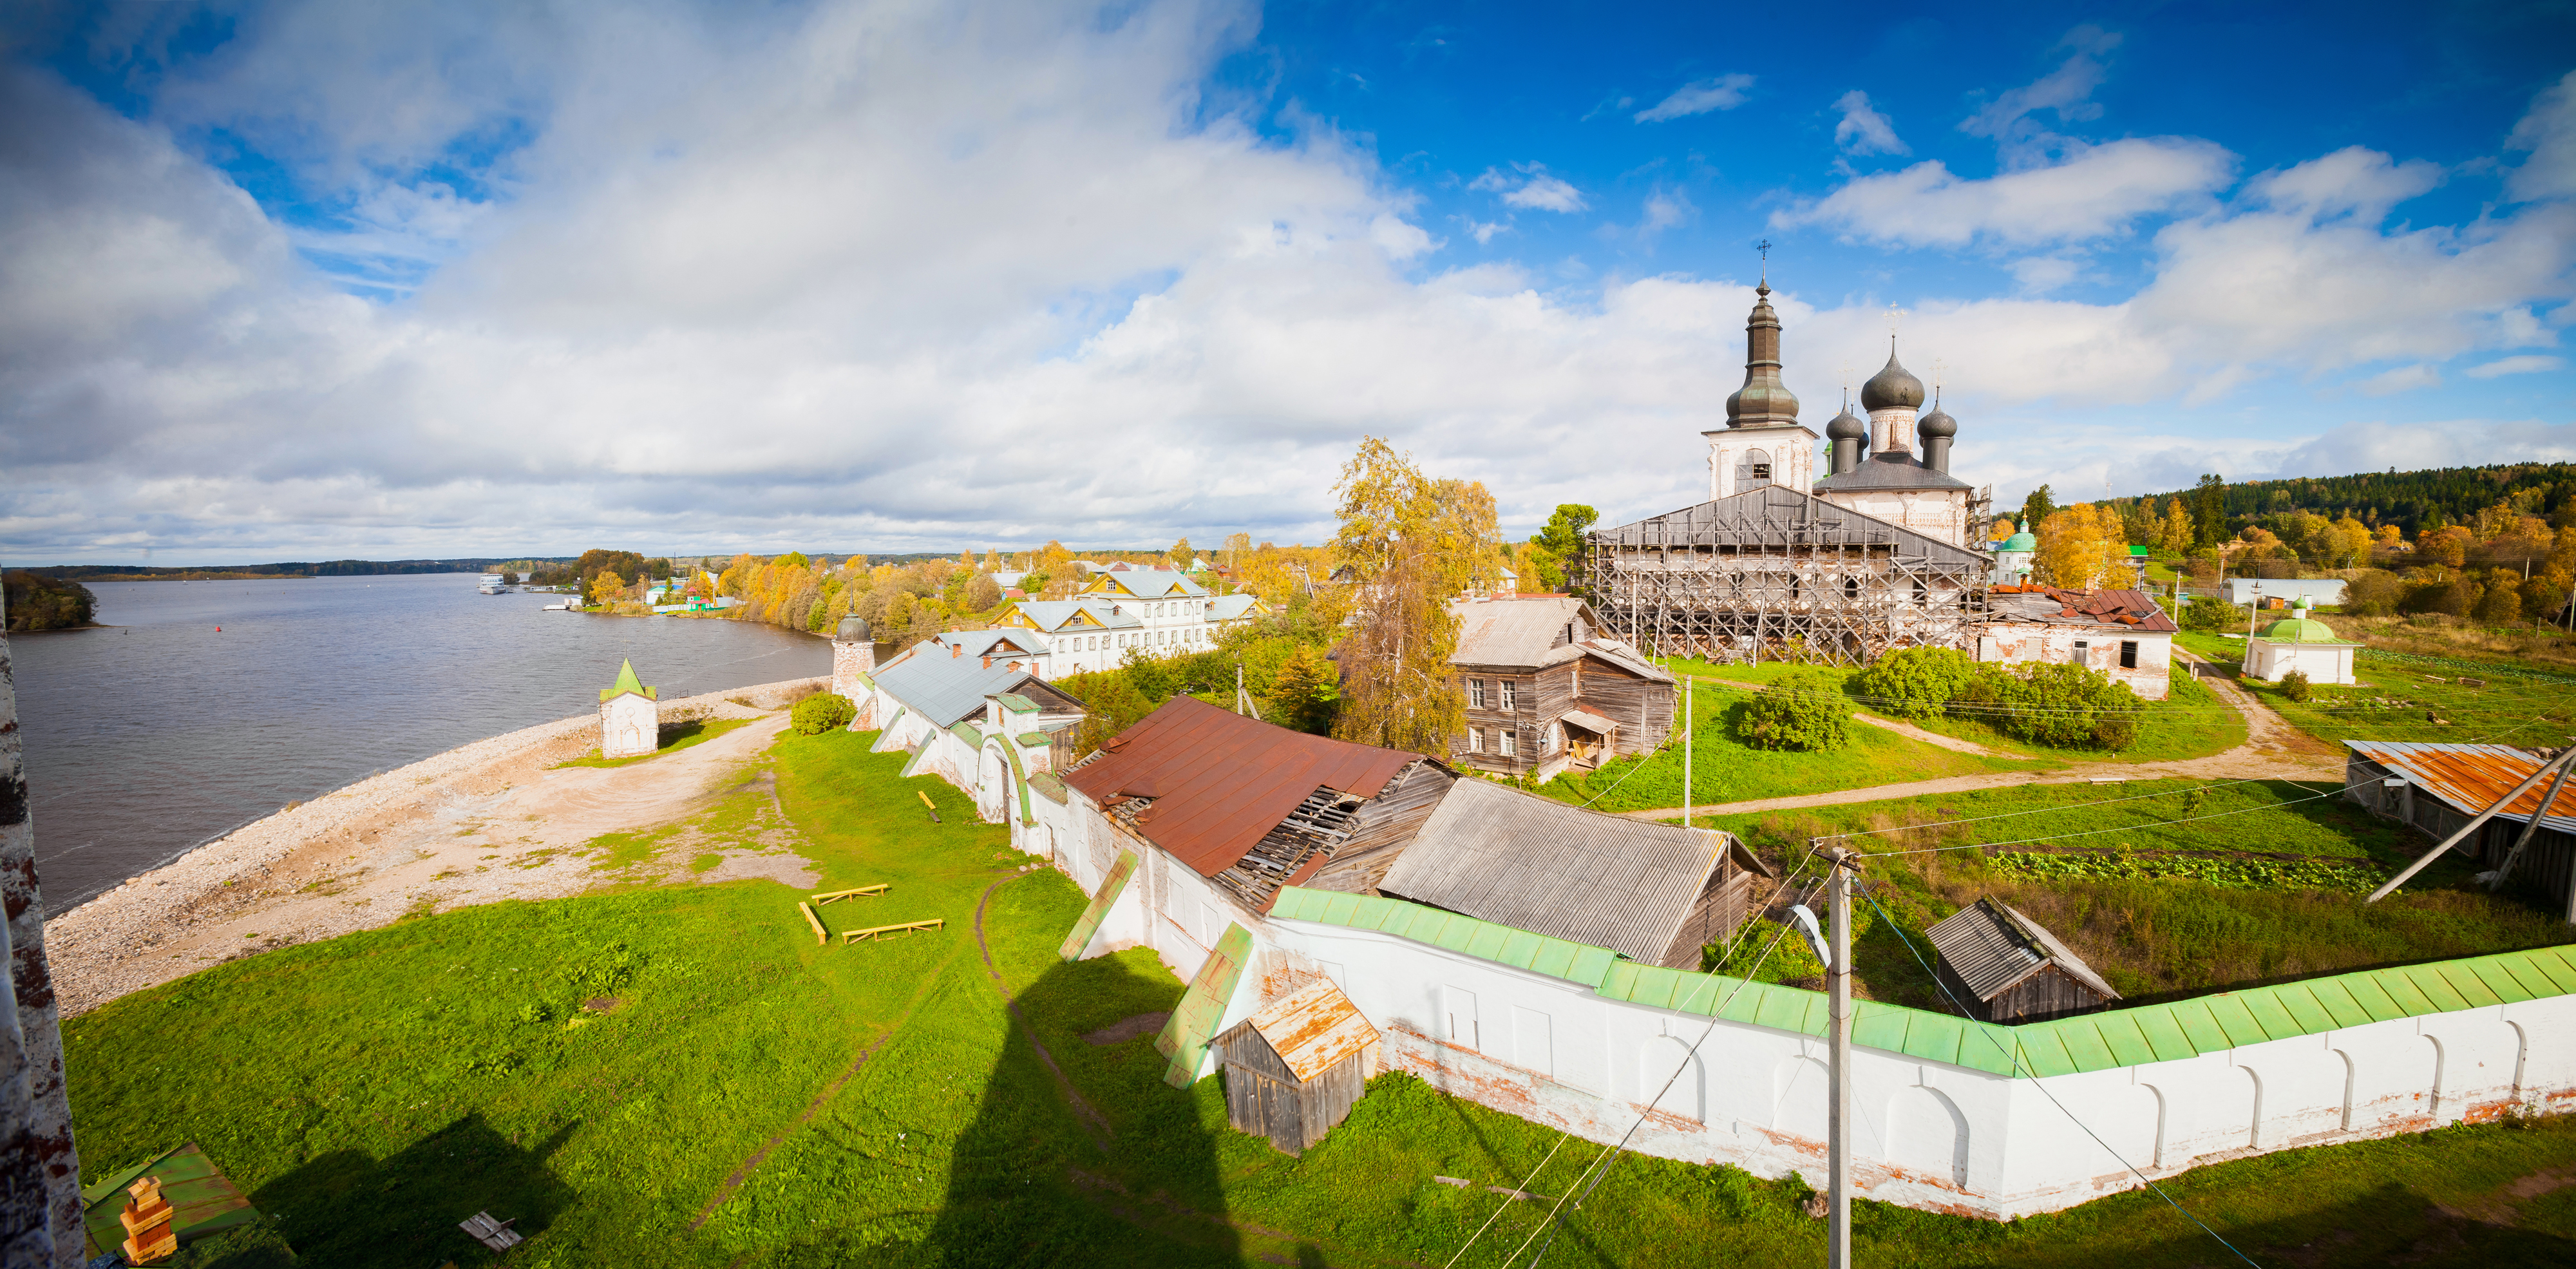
(2004, 967)
(1294, 1067)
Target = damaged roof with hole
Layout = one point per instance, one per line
(1216, 783)
(2469, 778)
(2049, 606)
(1993, 948)
(1536, 864)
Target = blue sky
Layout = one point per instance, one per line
(306, 280)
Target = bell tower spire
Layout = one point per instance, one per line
(1763, 399)
(1762, 442)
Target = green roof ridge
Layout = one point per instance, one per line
(2163, 1032)
(626, 682)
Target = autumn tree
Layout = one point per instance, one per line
(1182, 557)
(1558, 544)
(983, 592)
(2081, 547)
(2178, 536)
(1412, 544)
(606, 587)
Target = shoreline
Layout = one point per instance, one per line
(375, 850)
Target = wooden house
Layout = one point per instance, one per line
(1548, 690)
(2004, 967)
(1294, 1067)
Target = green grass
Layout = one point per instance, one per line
(472, 1060)
(2158, 938)
(672, 740)
(1725, 769)
(2407, 702)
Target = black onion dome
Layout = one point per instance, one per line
(1937, 423)
(1892, 388)
(1847, 427)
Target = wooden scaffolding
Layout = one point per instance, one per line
(1773, 574)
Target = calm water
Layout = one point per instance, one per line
(149, 738)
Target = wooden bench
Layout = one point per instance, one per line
(820, 938)
(880, 931)
(860, 892)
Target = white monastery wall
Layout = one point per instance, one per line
(2151, 679)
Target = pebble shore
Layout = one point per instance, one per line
(106, 947)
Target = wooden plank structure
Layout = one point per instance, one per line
(862, 892)
(2005, 967)
(1185, 1038)
(197, 1200)
(821, 939)
(496, 1235)
(900, 927)
(2440, 788)
(1777, 574)
(1112, 886)
(1293, 1069)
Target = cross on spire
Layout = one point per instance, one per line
(1764, 246)
(1895, 317)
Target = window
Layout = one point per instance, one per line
(1475, 693)
(1509, 691)
(2083, 654)
(2128, 654)
(1475, 740)
(1511, 743)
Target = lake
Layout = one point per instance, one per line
(160, 733)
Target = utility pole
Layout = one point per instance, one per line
(1688, 682)
(1838, 1105)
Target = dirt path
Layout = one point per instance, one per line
(2273, 750)
(493, 820)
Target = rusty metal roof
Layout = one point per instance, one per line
(1219, 781)
(1313, 1027)
(2471, 777)
(2047, 605)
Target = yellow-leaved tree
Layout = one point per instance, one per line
(1412, 544)
(2178, 535)
(2081, 547)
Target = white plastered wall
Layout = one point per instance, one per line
(2016, 643)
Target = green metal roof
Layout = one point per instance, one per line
(2063, 1046)
(2300, 630)
(1017, 703)
(966, 732)
(1050, 786)
(206, 1200)
(627, 682)
(1034, 740)
(2019, 542)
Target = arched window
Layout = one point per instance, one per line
(1754, 470)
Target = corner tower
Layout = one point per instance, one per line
(1762, 442)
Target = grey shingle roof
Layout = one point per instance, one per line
(1520, 860)
(1991, 946)
(1522, 633)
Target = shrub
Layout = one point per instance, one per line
(2373, 592)
(2501, 605)
(2209, 613)
(2295, 685)
(2542, 599)
(2062, 705)
(1800, 711)
(821, 712)
(1915, 682)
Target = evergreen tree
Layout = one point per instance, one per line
(2209, 511)
(2036, 508)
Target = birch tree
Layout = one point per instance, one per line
(1412, 544)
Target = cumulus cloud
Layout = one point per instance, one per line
(2095, 192)
(2529, 363)
(2351, 181)
(1863, 130)
(2548, 134)
(1725, 92)
(1530, 187)
(2402, 379)
(2065, 91)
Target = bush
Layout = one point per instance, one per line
(2501, 605)
(1914, 682)
(821, 712)
(2373, 592)
(1800, 711)
(2066, 706)
(2209, 613)
(2542, 600)
(2295, 685)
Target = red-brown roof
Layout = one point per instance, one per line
(1220, 780)
(2134, 608)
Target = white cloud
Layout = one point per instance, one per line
(1725, 92)
(2548, 132)
(2066, 91)
(2363, 183)
(1532, 188)
(2523, 365)
(2402, 379)
(2038, 275)
(2096, 192)
(1863, 130)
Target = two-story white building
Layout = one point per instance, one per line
(1156, 610)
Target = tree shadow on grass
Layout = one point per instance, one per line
(1079, 1154)
(348, 1209)
(2394, 1224)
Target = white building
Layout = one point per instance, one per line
(988, 729)
(629, 719)
(2122, 633)
(1156, 610)
(2302, 643)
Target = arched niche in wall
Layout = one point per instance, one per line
(1926, 1134)
(1798, 1089)
(1670, 1058)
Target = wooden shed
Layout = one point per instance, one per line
(2004, 967)
(1294, 1067)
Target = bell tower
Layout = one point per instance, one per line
(1762, 442)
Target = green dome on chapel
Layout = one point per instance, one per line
(2301, 630)
(2019, 542)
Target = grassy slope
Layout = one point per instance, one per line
(2157, 938)
(671, 740)
(422, 1085)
